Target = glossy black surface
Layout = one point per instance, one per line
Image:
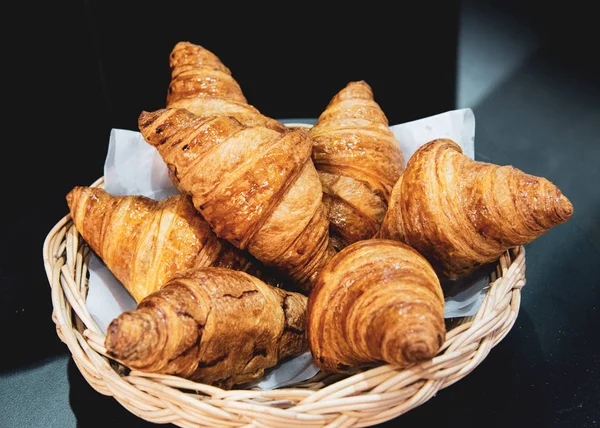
(92, 67)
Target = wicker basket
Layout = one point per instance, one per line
(370, 397)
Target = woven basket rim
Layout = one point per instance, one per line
(370, 397)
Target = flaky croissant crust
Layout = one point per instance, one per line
(256, 187)
(202, 84)
(460, 213)
(358, 159)
(145, 242)
(353, 138)
(212, 325)
(196, 71)
(376, 301)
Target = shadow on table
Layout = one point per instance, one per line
(506, 379)
(93, 409)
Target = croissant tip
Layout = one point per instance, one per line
(418, 351)
(355, 89)
(71, 196)
(565, 208)
(122, 336)
(183, 43)
(359, 83)
(146, 118)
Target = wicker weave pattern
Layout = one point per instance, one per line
(370, 397)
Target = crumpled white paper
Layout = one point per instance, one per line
(458, 125)
(134, 167)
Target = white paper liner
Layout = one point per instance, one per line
(134, 167)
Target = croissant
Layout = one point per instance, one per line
(377, 300)
(460, 213)
(256, 187)
(145, 242)
(201, 83)
(213, 325)
(358, 159)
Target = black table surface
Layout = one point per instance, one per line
(543, 119)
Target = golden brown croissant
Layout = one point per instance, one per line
(212, 325)
(376, 301)
(358, 159)
(145, 242)
(460, 213)
(201, 83)
(256, 187)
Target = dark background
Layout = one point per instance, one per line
(75, 70)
